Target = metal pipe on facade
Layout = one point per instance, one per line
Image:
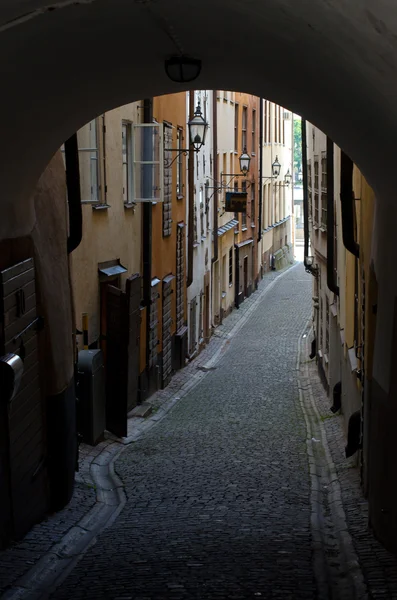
(191, 208)
(74, 193)
(347, 205)
(331, 283)
(305, 197)
(147, 239)
(215, 172)
(260, 196)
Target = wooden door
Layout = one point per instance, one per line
(24, 429)
(246, 276)
(207, 314)
(133, 300)
(116, 362)
(166, 332)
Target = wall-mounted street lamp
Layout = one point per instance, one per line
(182, 69)
(198, 128)
(287, 178)
(245, 161)
(276, 168)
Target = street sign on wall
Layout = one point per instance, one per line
(236, 202)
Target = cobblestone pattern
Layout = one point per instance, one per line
(378, 566)
(22, 556)
(18, 559)
(218, 492)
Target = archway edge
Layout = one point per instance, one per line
(62, 65)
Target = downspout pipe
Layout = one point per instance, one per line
(191, 207)
(308, 266)
(331, 283)
(74, 194)
(147, 226)
(260, 195)
(347, 205)
(215, 172)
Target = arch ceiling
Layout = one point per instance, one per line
(333, 61)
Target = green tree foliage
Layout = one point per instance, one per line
(297, 144)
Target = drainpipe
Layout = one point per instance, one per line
(260, 197)
(331, 283)
(308, 265)
(191, 207)
(105, 180)
(347, 205)
(147, 239)
(216, 174)
(74, 194)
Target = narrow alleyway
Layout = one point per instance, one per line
(218, 493)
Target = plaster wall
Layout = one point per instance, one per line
(108, 234)
(204, 188)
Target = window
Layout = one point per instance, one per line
(147, 162)
(253, 215)
(324, 210)
(126, 135)
(87, 139)
(283, 124)
(309, 175)
(316, 182)
(253, 140)
(316, 209)
(231, 266)
(244, 128)
(236, 127)
(179, 163)
(279, 124)
(244, 214)
(207, 205)
(265, 122)
(275, 118)
(167, 182)
(202, 230)
(324, 171)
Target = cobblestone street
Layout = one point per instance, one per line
(218, 493)
(236, 487)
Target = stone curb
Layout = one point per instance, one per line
(53, 568)
(349, 582)
(40, 581)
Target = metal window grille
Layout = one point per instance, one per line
(253, 213)
(236, 127)
(253, 137)
(153, 339)
(180, 274)
(179, 163)
(207, 205)
(167, 183)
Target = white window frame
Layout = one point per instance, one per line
(128, 195)
(160, 162)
